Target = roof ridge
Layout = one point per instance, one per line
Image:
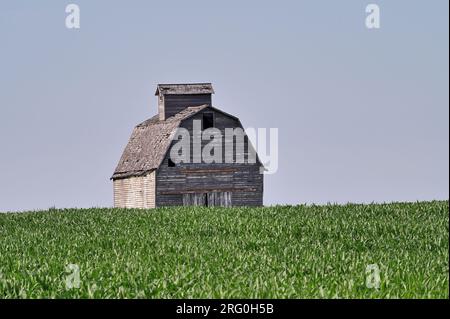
(196, 83)
(184, 88)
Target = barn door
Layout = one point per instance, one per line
(195, 199)
(220, 199)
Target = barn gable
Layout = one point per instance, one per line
(191, 183)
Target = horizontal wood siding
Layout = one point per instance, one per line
(243, 180)
(135, 192)
(178, 102)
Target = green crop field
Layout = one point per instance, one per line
(329, 251)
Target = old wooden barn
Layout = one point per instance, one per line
(147, 177)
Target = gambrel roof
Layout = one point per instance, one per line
(149, 143)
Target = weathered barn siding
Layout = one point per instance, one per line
(176, 103)
(135, 192)
(243, 180)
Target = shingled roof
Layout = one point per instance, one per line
(149, 143)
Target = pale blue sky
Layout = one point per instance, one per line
(362, 114)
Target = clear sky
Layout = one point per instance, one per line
(363, 115)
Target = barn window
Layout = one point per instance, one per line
(171, 163)
(208, 120)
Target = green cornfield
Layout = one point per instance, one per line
(398, 250)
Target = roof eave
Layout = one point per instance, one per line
(120, 175)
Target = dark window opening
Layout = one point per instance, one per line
(171, 163)
(208, 120)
